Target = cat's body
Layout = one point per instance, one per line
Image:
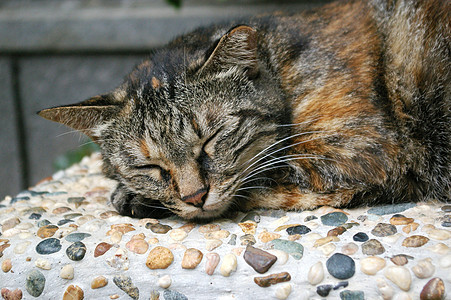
(343, 105)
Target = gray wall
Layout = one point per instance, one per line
(55, 52)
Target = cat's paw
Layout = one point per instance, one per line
(136, 206)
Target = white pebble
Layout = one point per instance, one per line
(43, 264)
(178, 234)
(371, 265)
(316, 273)
(385, 289)
(424, 268)
(210, 245)
(312, 224)
(24, 226)
(327, 249)
(22, 247)
(439, 234)
(391, 239)
(311, 237)
(67, 272)
(283, 291)
(25, 235)
(399, 276)
(402, 296)
(282, 256)
(280, 221)
(445, 261)
(116, 237)
(228, 265)
(165, 281)
(11, 232)
(439, 248)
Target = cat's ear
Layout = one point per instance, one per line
(84, 116)
(237, 48)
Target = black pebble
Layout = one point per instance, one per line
(64, 221)
(324, 290)
(76, 251)
(300, 229)
(342, 284)
(48, 246)
(360, 237)
(35, 216)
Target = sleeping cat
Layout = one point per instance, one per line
(344, 105)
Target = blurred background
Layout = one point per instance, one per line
(55, 52)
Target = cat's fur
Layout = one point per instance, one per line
(342, 105)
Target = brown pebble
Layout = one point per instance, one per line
(3, 247)
(266, 236)
(159, 228)
(61, 210)
(400, 259)
(11, 295)
(212, 262)
(188, 227)
(258, 259)
(73, 293)
(248, 227)
(123, 228)
(433, 290)
(99, 282)
(372, 247)
(47, 231)
(10, 223)
(159, 258)
(272, 279)
(138, 246)
(400, 220)
(336, 231)
(191, 258)
(108, 214)
(415, 241)
(115, 296)
(209, 228)
(101, 249)
(294, 237)
(6, 265)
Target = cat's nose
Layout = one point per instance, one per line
(197, 199)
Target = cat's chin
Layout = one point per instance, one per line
(203, 214)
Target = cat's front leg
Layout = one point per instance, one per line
(130, 204)
(293, 198)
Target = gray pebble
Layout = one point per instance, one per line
(125, 283)
(384, 229)
(48, 246)
(173, 295)
(35, 283)
(372, 247)
(77, 236)
(334, 218)
(76, 251)
(352, 295)
(340, 266)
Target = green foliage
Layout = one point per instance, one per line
(175, 3)
(66, 160)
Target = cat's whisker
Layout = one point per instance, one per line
(252, 187)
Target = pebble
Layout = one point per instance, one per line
(415, 241)
(178, 234)
(327, 249)
(340, 266)
(212, 262)
(446, 208)
(48, 246)
(352, 295)
(324, 290)
(247, 239)
(232, 240)
(390, 208)
(159, 228)
(280, 221)
(252, 216)
(47, 231)
(159, 258)
(439, 248)
(371, 265)
(137, 245)
(294, 249)
(76, 251)
(424, 268)
(210, 245)
(433, 290)
(399, 276)
(336, 231)
(248, 227)
(10, 223)
(173, 295)
(384, 229)
(325, 240)
(125, 283)
(61, 210)
(11, 295)
(42, 223)
(116, 237)
(229, 264)
(119, 260)
(283, 291)
(21, 247)
(84, 219)
(334, 219)
(266, 236)
(400, 259)
(282, 256)
(258, 259)
(73, 293)
(217, 235)
(6, 265)
(188, 227)
(67, 272)
(63, 222)
(208, 228)
(272, 279)
(77, 236)
(341, 284)
(349, 248)
(439, 234)
(35, 283)
(165, 281)
(35, 216)
(299, 229)
(42, 264)
(122, 228)
(445, 261)
(191, 258)
(99, 282)
(360, 237)
(310, 218)
(385, 289)
(101, 249)
(316, 273)
(372, 247)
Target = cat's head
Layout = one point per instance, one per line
(187, 127)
